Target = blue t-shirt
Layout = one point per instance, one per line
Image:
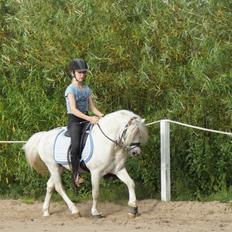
(81, 97)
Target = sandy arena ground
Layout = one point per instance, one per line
(155, 216)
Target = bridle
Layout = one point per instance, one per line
(119, 142)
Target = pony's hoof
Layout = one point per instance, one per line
(46, 214)
(97, 216)
(132, 212)
(76, 214)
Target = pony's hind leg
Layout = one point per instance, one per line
(50, 189)
(56, 178)
(125, 178)
(95, 180)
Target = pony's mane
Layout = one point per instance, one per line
(122, 113)
(137, 124)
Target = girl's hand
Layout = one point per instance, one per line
(94, 119)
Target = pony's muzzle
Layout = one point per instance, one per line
(135, 151)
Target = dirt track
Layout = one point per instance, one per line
(155, 216)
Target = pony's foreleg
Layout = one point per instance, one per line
(125, 178)
(50, 189)
(95, 180)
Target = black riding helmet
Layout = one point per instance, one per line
(78, 64)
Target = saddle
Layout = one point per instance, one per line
(84, 134)
(61, 146)
(86, 148)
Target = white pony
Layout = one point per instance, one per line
(116, 135)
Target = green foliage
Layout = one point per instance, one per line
(161, 60)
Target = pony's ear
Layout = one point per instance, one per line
(143, 120)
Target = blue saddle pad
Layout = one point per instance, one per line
(62, 144)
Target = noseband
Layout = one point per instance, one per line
(133, 145)
(122, 137)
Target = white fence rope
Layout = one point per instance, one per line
(155, 122)
(191, 126)
(13, 141)
(201, 128)
(151, 123)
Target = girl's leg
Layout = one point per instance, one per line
(75, 131)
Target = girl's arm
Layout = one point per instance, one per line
(78, 113)
(93, 108)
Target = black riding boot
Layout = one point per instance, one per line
(76, 178)
(75, 166)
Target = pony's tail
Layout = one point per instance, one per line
(32, 154)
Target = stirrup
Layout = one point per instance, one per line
(78, 180)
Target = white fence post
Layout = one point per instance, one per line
(165, 160)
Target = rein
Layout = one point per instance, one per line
(114, 141)
(120, 144)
